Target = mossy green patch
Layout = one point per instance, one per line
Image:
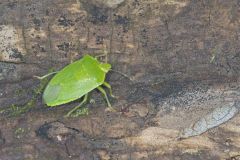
(80, 112)
(19, 132)
(16, 110)
(19, 92)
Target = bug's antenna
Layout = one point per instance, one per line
(122, 74)
(105, 54)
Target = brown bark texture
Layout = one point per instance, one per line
(182, 59)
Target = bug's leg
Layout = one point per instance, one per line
(45, 76)
(105, 95)
(77, 107)
(110, 89)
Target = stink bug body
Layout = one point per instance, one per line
(77, 80)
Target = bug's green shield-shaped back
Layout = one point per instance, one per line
(75, 80)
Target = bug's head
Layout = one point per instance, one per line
(105, 67)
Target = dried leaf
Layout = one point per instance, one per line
(215, 118)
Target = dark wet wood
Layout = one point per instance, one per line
(174, 50)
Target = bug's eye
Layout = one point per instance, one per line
(105, 67)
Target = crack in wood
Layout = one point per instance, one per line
(21, 14)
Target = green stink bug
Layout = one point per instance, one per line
(75, 81)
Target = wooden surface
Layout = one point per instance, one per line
(183, 57)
